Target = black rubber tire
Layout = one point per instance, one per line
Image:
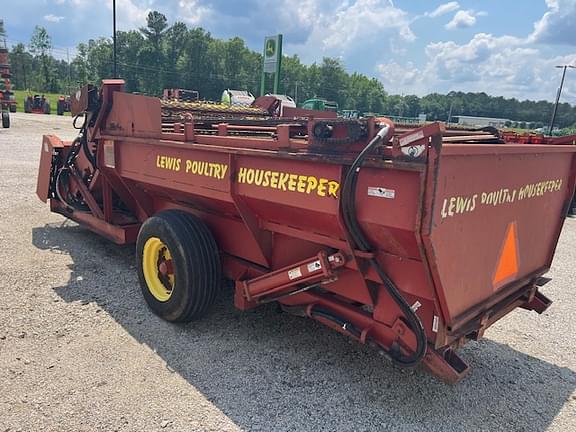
(5, 120)
(197, 267)
(13, 108)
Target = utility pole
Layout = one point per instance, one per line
(564, 67)
(450, 113)
(115, 70)
(24, 72)
(296, 93)
(69, 89)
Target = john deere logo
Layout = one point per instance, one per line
(270, 47)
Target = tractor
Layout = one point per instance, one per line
(37, 105)
(320, 104)
(63, 105)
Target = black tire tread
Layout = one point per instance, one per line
(198, 235)
(202, 260)
(5, 120)
(204, 238)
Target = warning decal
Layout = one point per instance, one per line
(381, 192)
(294, 273)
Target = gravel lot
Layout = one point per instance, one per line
(79, 350)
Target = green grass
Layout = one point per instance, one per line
(22, 94)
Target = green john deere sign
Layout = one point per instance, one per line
(272, 61)
(272, 53)
(270, 48)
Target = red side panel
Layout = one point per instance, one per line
(50, 144)
(494, 221)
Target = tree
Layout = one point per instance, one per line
(293, 77)
(81, 65)
(128, 45)
(160, 56)
(156, 25)
(332, 85)
(151, 58)
(22, 65)
(99, 57)
(196, 66)
(413, 105)
(40, 46)
(176, 37)
(364, 94)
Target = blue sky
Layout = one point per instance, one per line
(502, 47)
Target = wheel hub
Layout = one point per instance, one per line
(158, 269)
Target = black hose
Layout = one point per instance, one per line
(87, 151)
(62, 179)
(318, 312)
(80, 142)
(83, 137)
(348, 208)
(83, 115)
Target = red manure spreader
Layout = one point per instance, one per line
(413, 241)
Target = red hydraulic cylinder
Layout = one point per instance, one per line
(318, 269)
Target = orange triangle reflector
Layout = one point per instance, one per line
(508, 262)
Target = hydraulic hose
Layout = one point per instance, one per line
(83, 136)
(319, 312)
(79, 143)
(88, 152)
(348, 209)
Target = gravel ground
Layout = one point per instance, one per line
(79, 350)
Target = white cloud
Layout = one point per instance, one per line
(474, 61)
(503, 66)
(129, 13)
(299, 16)
(558, 25)
(359, 30)
(462, 19)
(75, 3)
(362, 22)
(400, 79)
(192, 12)
(345, 27)
(53, 18)
(444, 9)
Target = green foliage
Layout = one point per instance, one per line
(156, 24)
(161, 56)
(568, 131)
(40, 45)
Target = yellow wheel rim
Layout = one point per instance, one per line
(158, 269)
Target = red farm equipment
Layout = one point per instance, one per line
(412, 242)
(7, 99)
(37, 104)
(181, 95)
(63, 105)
